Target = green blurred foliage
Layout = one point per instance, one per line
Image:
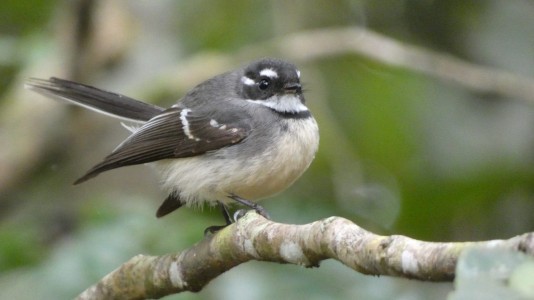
(400, 153)
(220, 27)
(19, 19)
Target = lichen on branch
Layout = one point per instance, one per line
(253, 237)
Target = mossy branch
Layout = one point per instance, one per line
(256, 238)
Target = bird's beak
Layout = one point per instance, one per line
(293, 88)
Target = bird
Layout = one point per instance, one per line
(240, 136)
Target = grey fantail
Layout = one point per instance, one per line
(240, 136)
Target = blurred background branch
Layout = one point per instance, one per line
(319, 44)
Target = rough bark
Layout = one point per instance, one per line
(256, 238)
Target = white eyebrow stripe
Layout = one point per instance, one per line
(247, 81)
(269, 73)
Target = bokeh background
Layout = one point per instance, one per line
(405, 149)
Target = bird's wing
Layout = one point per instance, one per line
(104, 102)
(175, 133)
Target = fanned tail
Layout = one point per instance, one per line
(108, 103)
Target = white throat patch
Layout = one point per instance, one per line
(283, 104)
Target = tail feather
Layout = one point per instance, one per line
(171, 203)
(93, 172)
(104, 102)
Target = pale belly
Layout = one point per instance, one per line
(205, 179)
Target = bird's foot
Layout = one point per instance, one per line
(258, 208)
(237, 215)
(227, 218)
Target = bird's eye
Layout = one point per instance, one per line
(264, 84)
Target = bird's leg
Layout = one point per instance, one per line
(226, 213)
(258, 208)
(227, 218)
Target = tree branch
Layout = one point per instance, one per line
(256, 238)
(311, 45)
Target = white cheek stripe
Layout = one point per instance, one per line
(298, 73)
(269, 73)
(284, 104)
(247, 81)
(185, 124)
